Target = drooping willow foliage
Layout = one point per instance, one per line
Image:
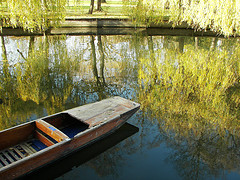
(222, 16)
(31, 14)
(192, 88)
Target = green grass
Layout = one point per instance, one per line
(81, 8)
(110, 8)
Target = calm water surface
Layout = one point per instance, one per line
(188, 88)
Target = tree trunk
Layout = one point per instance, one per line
(152, 56)
(213, 44)
(94, 61)
(4, 49)
(99, 5)
(91, 7)
(181, 44)
(31, 46)
(6, 72)
(196, 42)
(102, 57)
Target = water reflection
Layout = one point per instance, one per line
(194, 87)
(193, 93)
(188, 88)
(52, 74)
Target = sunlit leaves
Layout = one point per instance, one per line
(218, 15)
(32, 14)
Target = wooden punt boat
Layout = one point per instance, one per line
(76, 159)
(34, 144)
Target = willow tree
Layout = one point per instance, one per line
(218, 15)
(31, 14)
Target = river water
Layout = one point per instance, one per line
(188, 87)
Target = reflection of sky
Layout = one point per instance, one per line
(12, 44)
(78, 47)
(76, 44)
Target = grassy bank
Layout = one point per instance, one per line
(81, 8)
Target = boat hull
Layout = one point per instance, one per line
(63, 148)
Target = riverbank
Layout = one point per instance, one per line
(110, 25)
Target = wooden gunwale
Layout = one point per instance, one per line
(26, 130)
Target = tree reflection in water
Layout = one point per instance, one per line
(189, 95)
(188, 89)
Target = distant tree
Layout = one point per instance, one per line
(99, 2)
(91, 7)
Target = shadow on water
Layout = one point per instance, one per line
(80, 157)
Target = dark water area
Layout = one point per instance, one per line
(188, 87)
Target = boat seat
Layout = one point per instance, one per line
(48, 134)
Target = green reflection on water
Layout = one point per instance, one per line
(190, 85)
(54, 73)
(193, 92)
(194, 87)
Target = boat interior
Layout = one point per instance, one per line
(21, 141)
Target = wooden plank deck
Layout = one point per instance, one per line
(15, 153)
(10, 159)
(18, 152)
(3, 160)
(11, 151)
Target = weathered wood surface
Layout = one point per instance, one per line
(44, 139)
(11, 151)
(12, 136)
(105, 108)
(3, 160)
(16, 153)
(104, 118)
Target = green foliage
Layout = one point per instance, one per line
(192, 88)
(32, 14)
(218, 15)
